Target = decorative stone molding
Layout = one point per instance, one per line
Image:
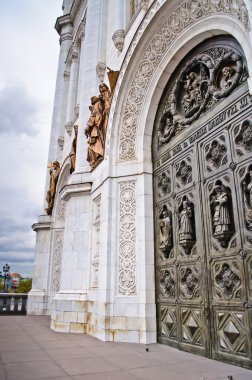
(61, 142)
(127, 239)
(144, 4)
(96, 242)
(57, 258)
(118, 39)
(100, 70)
(69, 128)
(186, 14)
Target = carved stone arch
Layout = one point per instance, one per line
(143, 82)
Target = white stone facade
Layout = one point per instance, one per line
(95, 267)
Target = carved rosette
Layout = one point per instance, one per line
(57, 259)
(184, 16)
(127, 239)
(227, 281)
(167, 283)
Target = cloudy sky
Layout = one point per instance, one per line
(28, 65)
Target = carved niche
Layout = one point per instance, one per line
(165, 232)
(202, 82)
(221, 211)
(186, 219)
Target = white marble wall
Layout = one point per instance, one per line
(122, 305)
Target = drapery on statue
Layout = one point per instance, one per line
(97, 125)
(54, 175)
(72, 153)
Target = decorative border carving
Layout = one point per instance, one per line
(127, 240)
(189, 12)
(57, 259)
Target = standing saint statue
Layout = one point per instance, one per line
(94, 132)
(186, 222)
(97, 125)
(106, 96)
(165, 234)
(72, 153)
(54, 175)
(222, 226)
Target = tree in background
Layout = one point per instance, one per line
(25, 285)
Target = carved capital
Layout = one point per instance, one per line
(118, 39)
(69, 127)
(100, 70)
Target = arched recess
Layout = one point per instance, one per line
(142, 78)
(58, 226)
(134, 113)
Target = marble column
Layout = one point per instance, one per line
(72, 92)
(119, 33)
(93, 48)
(64, 28)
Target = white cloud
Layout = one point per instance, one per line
(29, 63)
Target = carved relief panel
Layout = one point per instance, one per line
(96, 222)
(204, 214)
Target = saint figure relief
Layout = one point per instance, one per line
(165, 234)
(193, 94)
(186, 222)
(54, 175)
(166, 128)
(97, 125)
(94, 133)
(72, 153)
(222, 229)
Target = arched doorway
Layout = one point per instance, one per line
(202, 144)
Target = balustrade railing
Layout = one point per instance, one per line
(13, 303)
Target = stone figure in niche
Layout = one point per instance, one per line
(247, 198)
(97, 125)
(72, 153)
(222, 225)
(94, 132)
(165, 234)
(186, 226)
(166, 129)
(228, 76)
(54, 175)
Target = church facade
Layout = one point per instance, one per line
(147, 229)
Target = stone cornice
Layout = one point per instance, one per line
(75, 190)
(68, 18)
(62, 21)
(44, 223)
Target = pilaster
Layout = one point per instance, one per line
(72, 92)
(37, 300)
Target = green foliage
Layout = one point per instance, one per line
(25, 286)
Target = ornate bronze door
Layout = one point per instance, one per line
(202, 148)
